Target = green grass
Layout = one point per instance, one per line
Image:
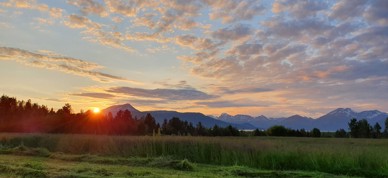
(349, 157)
(32, 166)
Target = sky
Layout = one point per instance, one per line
(273, 58)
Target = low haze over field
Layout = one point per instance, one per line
(275, 58)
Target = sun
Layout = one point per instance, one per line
(96, 110)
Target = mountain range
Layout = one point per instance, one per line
(332, 121)
(192, 117)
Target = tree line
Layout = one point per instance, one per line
(27, 117)
(362, 129)
(175, 126)
(279, 130)
(357, 129)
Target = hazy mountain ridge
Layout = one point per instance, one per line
(192, 117)
(331, 121)
(340, 118)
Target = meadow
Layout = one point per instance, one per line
(166, 156)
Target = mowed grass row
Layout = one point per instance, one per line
(354, 157)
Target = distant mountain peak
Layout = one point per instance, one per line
(261, 117)
(296, 115)
(114, 109)
(370, 114)
(225, 115)
(346, 111)
(127, 105)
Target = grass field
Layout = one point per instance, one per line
(96, 166)
(142, 156)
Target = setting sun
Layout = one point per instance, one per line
(96, 110)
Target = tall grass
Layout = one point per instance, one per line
(360, 157)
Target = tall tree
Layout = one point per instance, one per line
(316, 132)
(353, 128)
(201, 129)
(150, 124)
(364, 129)
(376, 133)
(386, 127)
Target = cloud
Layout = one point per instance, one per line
(347, 9)
(233, 104)
(26, 4)
(95, 95)
(55, 62)
(127, 8)
(234, 32)
(169, 94)
(294, 29)
(161, 16)
(146, 20)
(33, 5)
(44, 21)
(183, 84)
(140, 102)
(219, 68)
(234, 11)
(56, 12)
(54, 99)
(196, 43)
(76, 21)
(377, 12)
(362, 70)
(96, 32)
(246, 49)
(141, 36)
(304, 9)
(178, 14)
(89, 7)
(227, 90)
(117, 19)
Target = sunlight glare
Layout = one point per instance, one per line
(96, 110)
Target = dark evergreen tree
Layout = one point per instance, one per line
(353, 128)
(316, 132)
(376, 133)
(164, 128)
(386, 127)
(341, 133)
(257, 132)
(360, 129)
(364, 129)
(150, 124)
(200, 129)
